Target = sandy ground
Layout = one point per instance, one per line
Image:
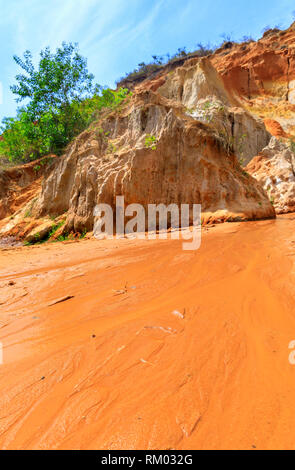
(112, 367)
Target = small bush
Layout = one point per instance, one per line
(143, 70)
(151, 142)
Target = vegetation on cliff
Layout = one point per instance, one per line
(61, 101)
(61, 98)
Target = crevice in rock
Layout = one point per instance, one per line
(144, 119)
(249, 82)
(288, 80)
(181, 92)
(232, 121)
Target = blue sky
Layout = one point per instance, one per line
(115, 35)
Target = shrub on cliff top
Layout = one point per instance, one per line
(144, 70)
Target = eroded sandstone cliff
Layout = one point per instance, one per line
(261, 75)
(189, 162)
(207, 118)
(19, 184)
(274, 168)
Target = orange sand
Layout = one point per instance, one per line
(113, 368)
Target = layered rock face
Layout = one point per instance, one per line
(261, 75)
(199, 87)
(19, 184)
(274, 168)
(187, 163)
(245, 66)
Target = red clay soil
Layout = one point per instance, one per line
(94, 356)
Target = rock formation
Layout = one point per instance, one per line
(19, 184)
(187, 164)
(199, 87)
(261, 75)
(274, 168)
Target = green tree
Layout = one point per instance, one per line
(61, 101)
(53, 114)
(59, 79)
